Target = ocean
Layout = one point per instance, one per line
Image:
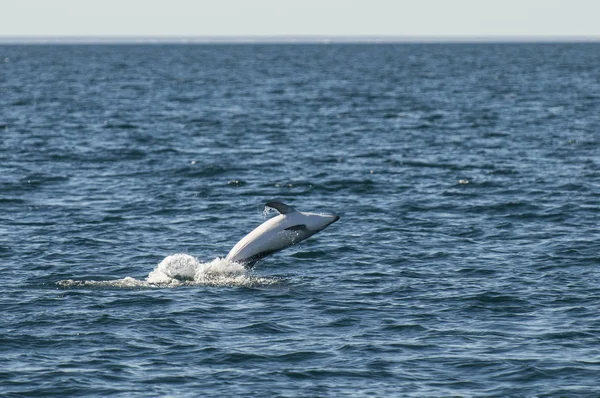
(465, 263)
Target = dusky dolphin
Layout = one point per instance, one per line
(288, 228)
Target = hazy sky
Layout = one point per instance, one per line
(300, 17)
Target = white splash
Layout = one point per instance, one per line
(182, 269)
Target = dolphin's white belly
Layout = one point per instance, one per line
(266, 238)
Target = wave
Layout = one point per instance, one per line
(182, 269)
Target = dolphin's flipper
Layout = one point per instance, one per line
(282, 208)
(298, 227)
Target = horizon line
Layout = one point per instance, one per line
(290, 39)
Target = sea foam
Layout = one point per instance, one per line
(182, 269)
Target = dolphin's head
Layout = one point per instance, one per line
(310, 223)
(318, 222)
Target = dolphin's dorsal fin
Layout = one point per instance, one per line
(282, 208)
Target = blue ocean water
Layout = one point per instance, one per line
(465, 262)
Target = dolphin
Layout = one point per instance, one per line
(288, 228)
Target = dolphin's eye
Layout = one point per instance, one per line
(298, 227)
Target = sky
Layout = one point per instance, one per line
(328, 18)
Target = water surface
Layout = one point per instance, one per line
(465, 262)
